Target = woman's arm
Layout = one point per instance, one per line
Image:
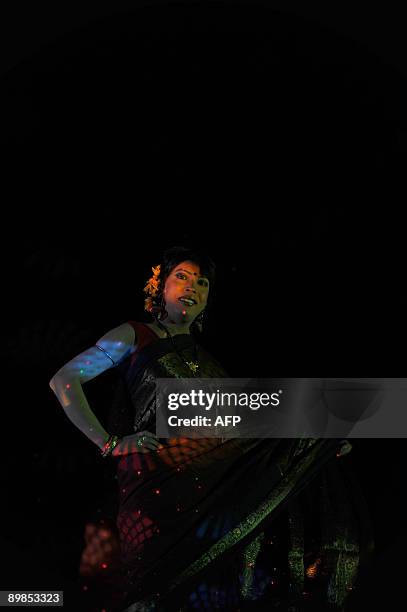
(67, 382)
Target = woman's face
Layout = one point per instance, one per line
(185, 292)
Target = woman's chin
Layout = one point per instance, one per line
(180, 316)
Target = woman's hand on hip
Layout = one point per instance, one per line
(141, 442)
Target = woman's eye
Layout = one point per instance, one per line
(182, 276)
(204, 283)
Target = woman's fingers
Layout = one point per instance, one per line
(150, 440)
(142, 442)
(146, 444)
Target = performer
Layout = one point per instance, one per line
(197, 517)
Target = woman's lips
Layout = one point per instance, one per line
(187, 301)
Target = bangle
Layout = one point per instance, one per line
(106, 353)
(112, 442)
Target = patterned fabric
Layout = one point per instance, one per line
(142, 606)
(196, 520)
(250, 554)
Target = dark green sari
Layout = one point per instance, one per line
(206, 524)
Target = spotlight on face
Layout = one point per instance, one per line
(185, 292)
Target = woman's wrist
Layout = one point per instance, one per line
(101, 441)
(110, 445)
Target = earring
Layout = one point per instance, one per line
(200, 320)
(163, 311)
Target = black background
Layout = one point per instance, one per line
(274, 139)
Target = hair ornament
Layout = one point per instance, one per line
(151, 288)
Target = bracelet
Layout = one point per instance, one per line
(106, 353)
(112, 442)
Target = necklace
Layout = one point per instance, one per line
(193, 366)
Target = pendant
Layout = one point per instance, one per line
(192, 366)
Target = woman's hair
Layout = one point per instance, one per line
(171, 258)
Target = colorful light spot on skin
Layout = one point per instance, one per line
(84, 588)
(138, 472)
(104, 565)
(157, 491)
(68, 386)
(81, 371)
(87, 362)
